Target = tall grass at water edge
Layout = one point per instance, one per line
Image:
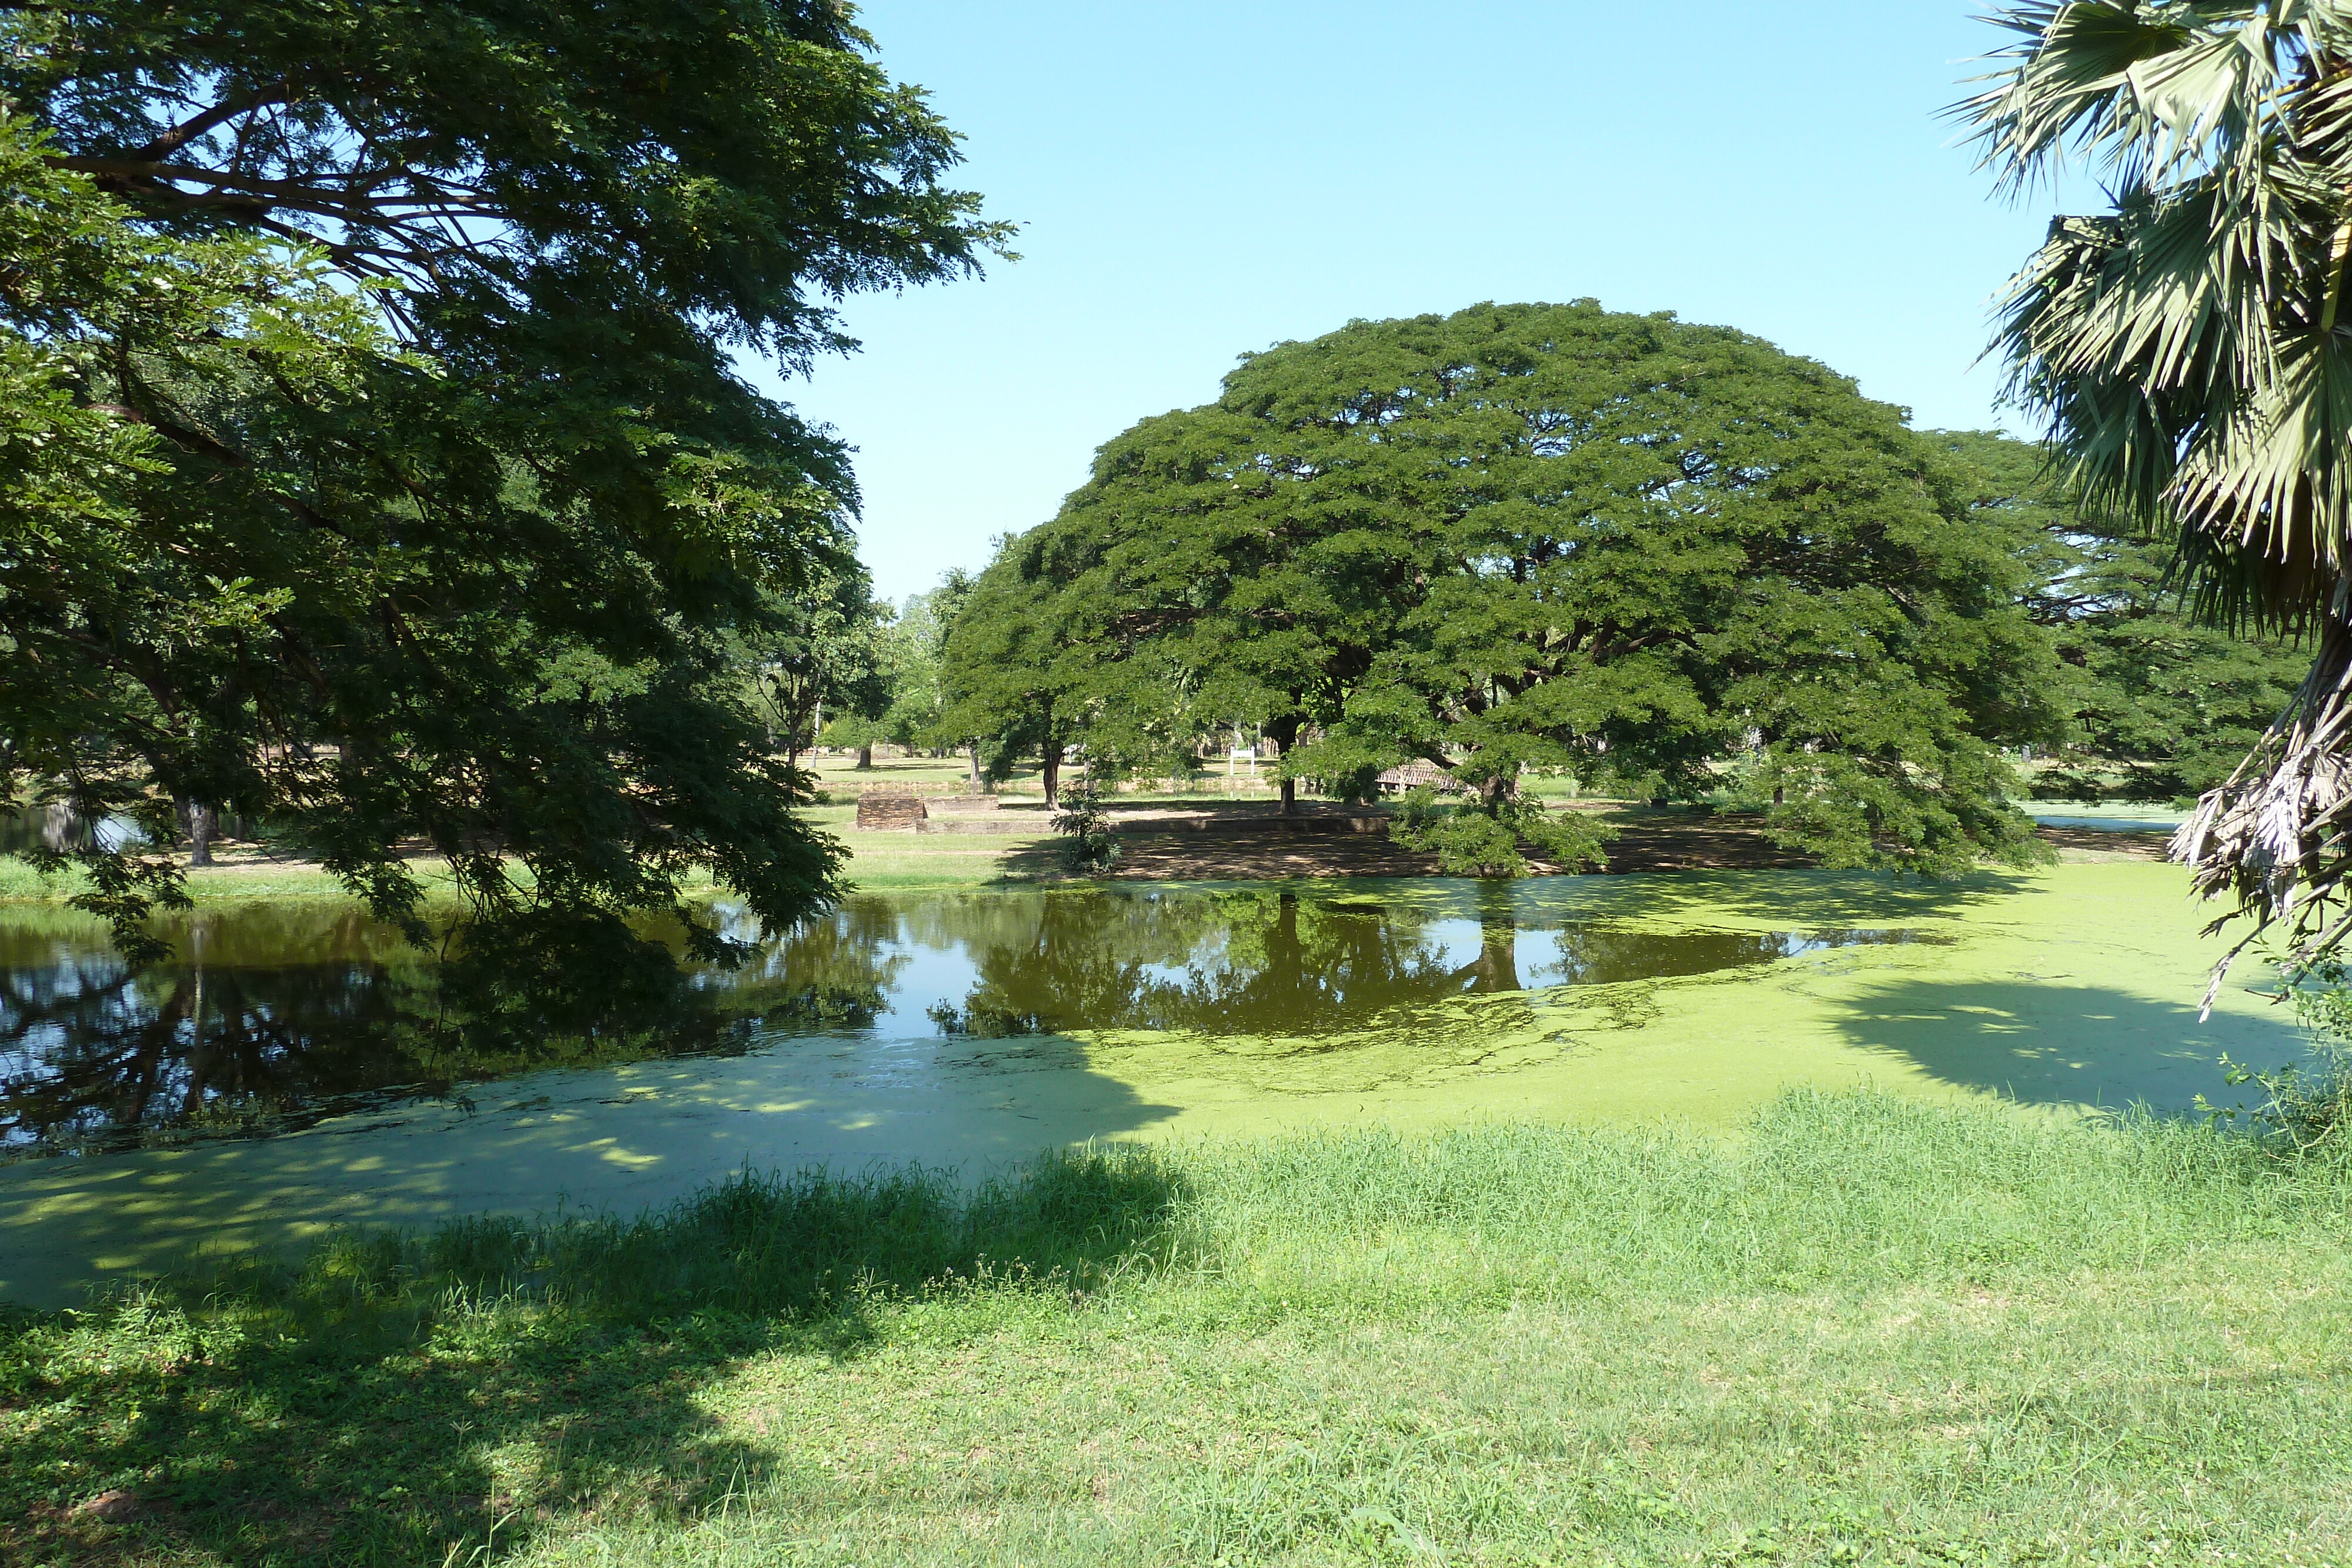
(1870, 1330)
(1825, 1189)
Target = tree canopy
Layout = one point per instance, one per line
(1551, 537)
(380, 465)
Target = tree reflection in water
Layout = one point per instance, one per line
(240, 1034)
(1281, 964)
(274, 1017)
(836, 971)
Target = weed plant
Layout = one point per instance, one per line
(1089, 846)
(1870, 1330)
(2305, 1111)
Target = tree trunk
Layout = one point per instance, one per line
(201, 821)
(1053, 776)
(799, 735)
(865, 760)
(1284, 733)
(975, 767)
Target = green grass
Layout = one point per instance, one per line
(18, 880)
(882, 861)
(228, 883)
(1868, 1330)
(905, 862)
(879, 861)
(841, 770)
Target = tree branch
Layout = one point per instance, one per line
(219, 114)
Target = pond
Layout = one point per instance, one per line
(284, 1073)
(273, 1016)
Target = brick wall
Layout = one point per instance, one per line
(890, 813)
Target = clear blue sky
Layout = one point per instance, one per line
(1198, 180)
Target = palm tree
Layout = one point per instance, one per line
(2189, 349)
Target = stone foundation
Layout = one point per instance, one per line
(890, 813)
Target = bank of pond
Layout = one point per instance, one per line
(292, 1069)
(1768, 1217)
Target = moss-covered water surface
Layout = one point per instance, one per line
(965, 1029)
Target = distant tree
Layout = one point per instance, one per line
(855, 732)
(859, 719)
(1549, 537)
(823, 653)
(423, 500)
(919, 702)
(1021, 664)
(946, 705)
(2161, 705)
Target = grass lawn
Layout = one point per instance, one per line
(888, 862)
(1866, 1330)
(842, 772)
(259, 878)
(878, 861)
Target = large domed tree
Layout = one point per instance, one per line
(2188, 347)
(1555, 537)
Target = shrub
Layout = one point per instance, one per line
(1091, 848)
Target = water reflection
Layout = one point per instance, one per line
(273, 1016)
(1281, 964)
(55, 826)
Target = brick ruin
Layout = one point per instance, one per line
(891, 813)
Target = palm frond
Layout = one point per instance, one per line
(2188, 352)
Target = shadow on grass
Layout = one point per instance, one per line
(393, 1399)
(1161, 854)
(1037, 860)
(2054, 1044)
